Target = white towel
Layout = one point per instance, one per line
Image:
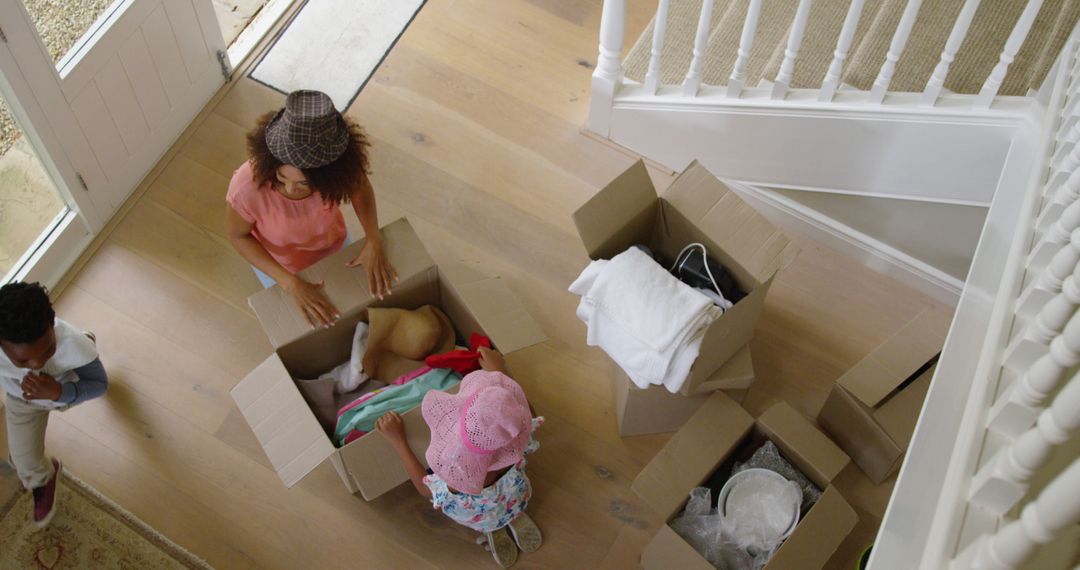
(650, 323)
(348, 376)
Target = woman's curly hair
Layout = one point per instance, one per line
(335, 182)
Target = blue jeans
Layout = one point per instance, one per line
(268, 282)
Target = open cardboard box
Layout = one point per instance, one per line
(695, 208)
(720, 431)
(272, 404)
(872, 409)
(655, 410)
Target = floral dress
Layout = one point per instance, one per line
(496, 505)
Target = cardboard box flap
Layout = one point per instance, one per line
(345, 287)
(692, 454)
(496, 308)
(746, 235)
(819, 534)
(283, 423)
(669, 550)
(804, 445)
(900, 414)
(894, 361)
(619, 215)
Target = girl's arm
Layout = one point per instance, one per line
(380, 273)
(393, 429)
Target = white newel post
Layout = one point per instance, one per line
(1004, 480)
(956, 38)
(1056, 236)
(608, 74)
(1012, 45)
(787, 67)
(896, 49)
(1016, 409)
(652, 77)
(1050, 281)
(843, 44)
(746, 42)
(701, 42)
(1056, 509)
(1028, 347)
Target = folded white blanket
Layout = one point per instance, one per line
(348, 376)
(648, 321)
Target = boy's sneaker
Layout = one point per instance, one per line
(45, 497)
(526, 534)
(502, 547)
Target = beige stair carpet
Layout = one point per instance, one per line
(678, 48)
(774, 22)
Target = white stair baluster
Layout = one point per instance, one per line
(1055, 236)
(1012, 45)
(608, 74)
(652, 77)
(1051, 279)
(787, 67)
(1028, 347)
(746, 42)
(843, 44)
(1061, 196)
(1055, 510)
(701, 42)
(1019, 406)
(952, 45)
(1063, 167)
(1003, 481)
(896, 49)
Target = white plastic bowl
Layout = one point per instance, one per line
(760, 508)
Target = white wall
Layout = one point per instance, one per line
(943, 236)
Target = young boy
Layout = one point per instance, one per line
(46, 364)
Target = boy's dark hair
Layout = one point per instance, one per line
(25, 312)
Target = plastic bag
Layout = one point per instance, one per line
(768, 457)
(704, 529)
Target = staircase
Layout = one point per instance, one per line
(934, 104)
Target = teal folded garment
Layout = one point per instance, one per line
(398, 399)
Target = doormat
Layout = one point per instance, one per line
(334, 46)
(88, 531)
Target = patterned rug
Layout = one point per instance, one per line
(89, 531)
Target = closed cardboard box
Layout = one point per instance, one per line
(720, 430)
(696, 208)
(655, 410)
(872, 409)
(270, 401)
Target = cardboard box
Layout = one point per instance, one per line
(720, 431)
(270, 402)
(655, 410)
(872, 409)
(695, 208)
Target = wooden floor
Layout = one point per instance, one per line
(475, 119)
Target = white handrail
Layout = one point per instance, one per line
(737, 80)
(1004, 480)
(843, 44)
(652, 77)
(1012, 45)
(896, 49)
(701, 42)
(952, 45)
(787, 67)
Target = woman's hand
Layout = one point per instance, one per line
(391, 427)
(309, 297)
(492, 360)
(40, 387)
(381, 274)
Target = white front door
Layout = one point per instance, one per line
(104, 114)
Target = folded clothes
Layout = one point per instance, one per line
(401, 398)
(459, 360)
(348, 376)
(644, 318)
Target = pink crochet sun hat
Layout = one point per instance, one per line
(482, 428)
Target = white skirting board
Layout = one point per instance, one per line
(334, 46)
(797, 218)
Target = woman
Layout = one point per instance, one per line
(283, 213)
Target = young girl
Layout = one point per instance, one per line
(479, 438)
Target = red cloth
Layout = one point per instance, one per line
(461, 361)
